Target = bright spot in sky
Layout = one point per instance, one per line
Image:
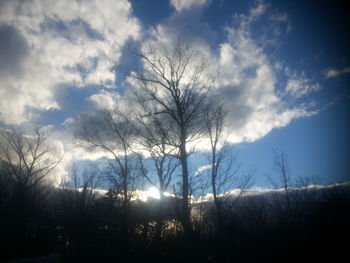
(151, 193)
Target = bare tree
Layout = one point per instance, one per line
(171, 88)
(214, 120)
(222, 161)
(29, 159)
(282, 171)
(153, 139)
(25, 162)
(109, 131)
(78, 188)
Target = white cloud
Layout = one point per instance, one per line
(298, 85)
(248, 82)
(71, 153)
(67, 122)
(60, 43)
(234, 193)
(79, 45)
(202, 169)
(105, 100)
(332, 73)
(260, 123)
(246, 78)
(301, 86)
(258, 10)
(181, 5)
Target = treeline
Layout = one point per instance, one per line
(80, 224)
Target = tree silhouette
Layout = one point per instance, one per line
(170, 87)
(153, 139)
(282, 171)
(110, 132)
(223, 164)
(29, 159)
(25, 162)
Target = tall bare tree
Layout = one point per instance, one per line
(214, 120)
(171, 88)
(222, 160)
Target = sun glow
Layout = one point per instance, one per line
(152, 192)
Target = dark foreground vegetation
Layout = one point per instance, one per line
(83, 226)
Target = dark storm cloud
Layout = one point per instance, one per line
(13, 49)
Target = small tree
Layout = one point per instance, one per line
(282, 172)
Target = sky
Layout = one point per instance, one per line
(282, 68)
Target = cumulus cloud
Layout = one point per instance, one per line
(332, 73)
(248, 81)
(246, 77)
(55, 44)
(181, 5)
(47, 45)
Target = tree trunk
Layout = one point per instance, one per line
(186, 217)
(160, 216)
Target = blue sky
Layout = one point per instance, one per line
(283, 68)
